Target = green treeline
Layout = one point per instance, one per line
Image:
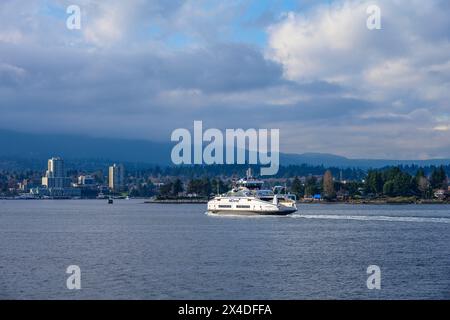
(303, 180)
(388, 182)
(202, 188)
(394, 182)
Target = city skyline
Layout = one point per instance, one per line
(401, 184)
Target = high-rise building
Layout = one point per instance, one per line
(55, 182)
(116, 177)
(55, 176)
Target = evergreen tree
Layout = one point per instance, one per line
(297, 188)
(166, 189)
(311, 186)
(389, 188)
(177, 187)
(398, 183)
(438, 178)
(374, 182)
(218, 186)
(206, 189)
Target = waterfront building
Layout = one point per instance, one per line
(55, 176)
(26, 185)
(116, 177)
(86, 180)
(441, 194)
(55, 183)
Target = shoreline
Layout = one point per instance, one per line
(178, 201)
(390, 201)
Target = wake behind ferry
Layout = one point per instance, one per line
(248, 197)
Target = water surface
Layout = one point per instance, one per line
(132, 250)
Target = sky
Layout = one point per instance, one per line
(140, 69)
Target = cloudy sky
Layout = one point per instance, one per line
(140, 69)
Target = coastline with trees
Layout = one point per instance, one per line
(383, 186)
(196, 183)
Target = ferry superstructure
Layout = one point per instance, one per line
(249, 198)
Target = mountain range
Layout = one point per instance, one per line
(42, 146)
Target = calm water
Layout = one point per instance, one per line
(132, 250)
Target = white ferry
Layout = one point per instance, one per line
(249, 198)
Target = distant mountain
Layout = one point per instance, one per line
(43, 146)
(331, 160)
(325, 159)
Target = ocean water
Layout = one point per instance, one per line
(132, 250)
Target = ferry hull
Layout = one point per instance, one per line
(253, 213)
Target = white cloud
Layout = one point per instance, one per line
(13, 36)
(403, 70)
(333, 43)
(106, 28)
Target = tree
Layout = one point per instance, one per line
(438, 178)
(191, 187)
(206, 187)
(422, 183)
(311, 186)
(297, 188)
(389, 188)
(353, 188)
(166, 189)
(374, 182)
(218, 186)
(143, 190)
(200, 187)
(420, 173)
(423, 186)
(328, 185)
(177, 187)
(398, 183)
